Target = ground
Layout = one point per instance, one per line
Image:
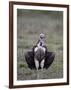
(29, 25)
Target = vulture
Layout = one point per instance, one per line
(39, 57)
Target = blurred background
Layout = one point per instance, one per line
(30, 23)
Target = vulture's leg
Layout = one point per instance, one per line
(42, 64)
(36, 64)
(37, 67)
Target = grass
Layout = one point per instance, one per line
(29, 26)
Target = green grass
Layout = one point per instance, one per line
(29, 26)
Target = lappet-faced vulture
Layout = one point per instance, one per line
(39, 57)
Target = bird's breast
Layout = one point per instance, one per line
(39, 53)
